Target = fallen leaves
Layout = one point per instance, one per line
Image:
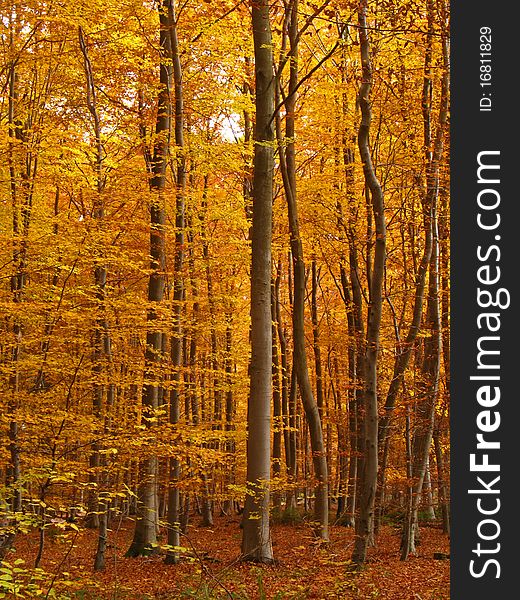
(302, 572)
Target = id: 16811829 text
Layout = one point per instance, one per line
(485, 73)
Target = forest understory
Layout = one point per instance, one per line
(211, 568)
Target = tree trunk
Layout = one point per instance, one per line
(173, 516)
(288, 168)
(353, 300)
(22, 171)
(316, 338)
(277, 398)
(369, 462)
(441, 481)
(425, 413)
(433, 342)
(103, 395)
(145, 533)
(288, 435)
(256, 538)
(428, 199)
(428, 495)
(230, 413)
(217, 392)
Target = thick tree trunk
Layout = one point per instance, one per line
(256, 539)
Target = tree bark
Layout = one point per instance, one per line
(174, 517)
(369, 462)
(425, 412)
(433, 341)
(230, 412)
(103, 395)
(145, 533)
(22, 163)
(316, 338)
(256, 538)
(288, 168)
(277, 398)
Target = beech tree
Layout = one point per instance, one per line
(145, 535)
(170, 24)
(432, 346)
(368, 446)
(301, 371)
(256, 539)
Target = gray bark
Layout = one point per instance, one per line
(288, 168)
(103, 395)
(369, 462)
(256, 538)
(277, 397)
(145, 533)
(174, 517)
(430, 370)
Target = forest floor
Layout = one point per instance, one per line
(211, 570)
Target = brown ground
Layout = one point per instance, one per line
(304, 570)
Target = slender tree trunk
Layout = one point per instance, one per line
(425, 413)
(428, 495)
(99, 559)
(145, 533)
(217, 392)
(433, 342)
(230, 412)
(444, 249)
(100, 276)
(288, 168)
(288, 435)
(346, 466)
(247, 181)
(22, 171)
(441, 482)
(316, 337)
(277, 398)
(369, 463)
(445, 324)
(103, 394)
(353, 299)
(174, 516)
(404, 350)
